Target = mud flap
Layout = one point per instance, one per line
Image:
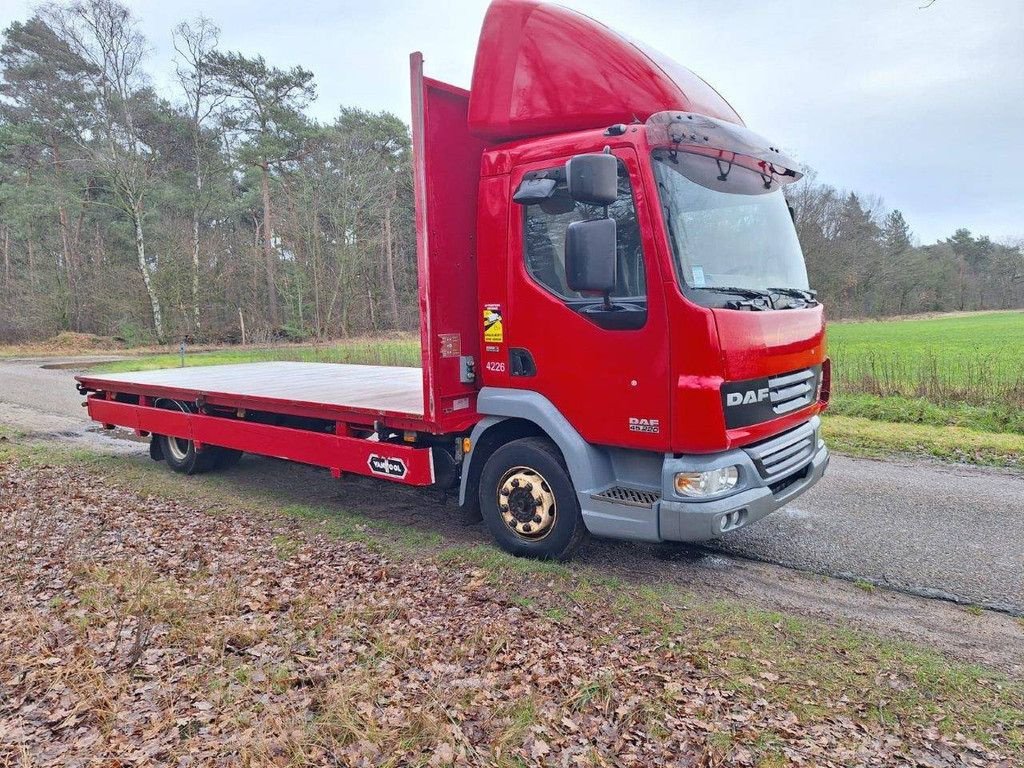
(156, 448)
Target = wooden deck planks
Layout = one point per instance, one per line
(372, 387)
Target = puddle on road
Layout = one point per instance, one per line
(78, 365)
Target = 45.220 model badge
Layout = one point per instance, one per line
(644, 425)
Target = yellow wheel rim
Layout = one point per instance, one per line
(526, 503)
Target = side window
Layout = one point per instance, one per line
(544, 238)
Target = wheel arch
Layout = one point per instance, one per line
(512, 414)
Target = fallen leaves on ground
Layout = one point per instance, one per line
(137, 630)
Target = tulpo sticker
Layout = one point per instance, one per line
(698, 276)
(494, 332)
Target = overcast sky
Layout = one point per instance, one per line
(924, 107)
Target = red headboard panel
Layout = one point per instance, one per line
(446, 174)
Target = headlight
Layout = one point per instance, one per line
(710, 483)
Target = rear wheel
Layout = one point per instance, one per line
(528, 501)
(180, 453)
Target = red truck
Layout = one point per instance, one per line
(617, 331)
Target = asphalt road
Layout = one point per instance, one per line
(931, 529)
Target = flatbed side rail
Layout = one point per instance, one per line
(406, 464)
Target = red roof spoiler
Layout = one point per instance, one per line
(543, 69)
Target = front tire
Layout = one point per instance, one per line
(528, 501)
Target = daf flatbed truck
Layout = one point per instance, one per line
(618, 336)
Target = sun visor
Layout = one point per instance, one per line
(688, 130)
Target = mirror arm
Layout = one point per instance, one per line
(607, 294)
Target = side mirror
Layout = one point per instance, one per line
(590, 256)
(593, 179)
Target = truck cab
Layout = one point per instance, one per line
(683, 392)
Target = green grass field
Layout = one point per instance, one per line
(953, 370)
(976, 359)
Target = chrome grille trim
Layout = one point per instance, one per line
(792, 391)
(777, 456)
(791, 378)
(619, 494)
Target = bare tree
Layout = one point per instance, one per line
(195, 42)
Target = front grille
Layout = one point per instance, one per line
(617, 494)
(792, 391)
(780, 455)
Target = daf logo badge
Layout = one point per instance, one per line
(644, 425)
(749, 397)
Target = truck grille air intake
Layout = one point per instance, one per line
(792, 391)
(776, 457)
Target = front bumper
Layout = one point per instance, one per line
(682, 519)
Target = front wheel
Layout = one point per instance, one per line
(528, 501)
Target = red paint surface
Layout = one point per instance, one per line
(679, 359)
(543, 69)
(597, 378)
(446, 174)
(336, 452)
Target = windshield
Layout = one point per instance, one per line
(729, 225)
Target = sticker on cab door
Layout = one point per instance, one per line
(494, 331)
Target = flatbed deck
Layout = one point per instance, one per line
(285, 387)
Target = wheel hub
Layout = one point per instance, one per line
(526, 503)
(178, 447)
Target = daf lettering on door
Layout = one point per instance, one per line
(747, 398)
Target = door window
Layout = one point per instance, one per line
(545, 224)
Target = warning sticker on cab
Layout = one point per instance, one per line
(494, 332)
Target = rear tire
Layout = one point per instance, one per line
(181, 456)
(180, 453)
(528, 501)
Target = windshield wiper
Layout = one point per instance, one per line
(811, 297)
(750, 293)
(757, 300)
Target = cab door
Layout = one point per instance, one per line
(605, 368)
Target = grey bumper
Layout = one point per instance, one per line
(642, 503)
(680, 520)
